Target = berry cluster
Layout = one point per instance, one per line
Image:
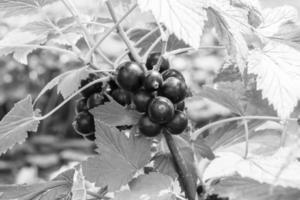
(158, 94)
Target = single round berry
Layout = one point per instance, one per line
(90, 137)
(161, 110)
(81, 105)
(174, 89)
(141, 100)
(95, 100)
(84, 123)
(153, 81)
(153, 59)
(92, 89)
(149, 128)
(121, 96)
(180, 106)
(130, 76)
(172, 73)
(178, 124)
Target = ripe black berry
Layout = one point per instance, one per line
(161, 110)
(95, 100)
(91, 137)
(172, 73)
(153, 59)
(174, 89)
(178, 124)
(141, 100)
(81, 105)
(180, 106)
(149, 128)
(84, 123)
(92, 89)
(121, 96)
(153, 81)
(130, 76)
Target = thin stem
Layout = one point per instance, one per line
(184, 50)
(245, 122)
(283, 134)
(70, 97)
(185, 176)
(204, 128)
(107, 60)
(156, 42)
(121, 32)
(109, 31)
(147, 35)
(164, 45)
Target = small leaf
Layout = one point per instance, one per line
(151, 187)
(22, 7)
(184, 18)
(115, 114)
(119, 157)
(164, 163)
(15, 124)
(223, 98)
(67, 83)
(237, 187)
(277, 67)
(78, 188)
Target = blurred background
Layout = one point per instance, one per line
(56, 145)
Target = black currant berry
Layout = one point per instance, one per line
(161, 110)
(200, 189)
(149, 128)
(180, 106)
(174, 89)
(153, 59)
(178, 124)
(81, 105)
(172, 73)
(121, 96)
(153, 81)
(130, 76)
(95, 100)
(92, 89)
(84, 123)
(91, 137)
(141, 100)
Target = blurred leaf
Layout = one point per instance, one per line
(119, 157)
(183, 18)
(22, 7)
(164, 163)
(67, 83)
(278, 75)
(224, 98)
(38, 28)
(237, 187)
(114, 114)
(151, 187)
(15, 124)
(204, 150)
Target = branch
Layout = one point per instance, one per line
(122, 33)
(70, 97)
(208, 126)
(186, 177)
(93, 49)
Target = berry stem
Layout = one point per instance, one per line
(109, 31)
(184, 50)
(122, 33)
(158, 40)
(186, 178)
(164, 45)
(206, 127)
(70, 97)
(245, 122)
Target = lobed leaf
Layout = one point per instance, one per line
(15, 124)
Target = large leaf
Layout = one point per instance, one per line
(119, 157)
(184, 18)
(151, 187)
(115, 114)
(67, 83)
(274, 18)
(277, 67)
(15, 125)
(236, 188)
(22, 7)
